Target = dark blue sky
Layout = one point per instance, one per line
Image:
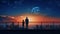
(17, 7)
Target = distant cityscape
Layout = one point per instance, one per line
(12, 26)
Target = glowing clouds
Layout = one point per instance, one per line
(39, 18)
(32, 18)
(24, 17)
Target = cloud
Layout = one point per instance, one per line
(6, 19)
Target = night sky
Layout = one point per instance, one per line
(17, 7)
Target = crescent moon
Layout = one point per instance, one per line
(35, 9)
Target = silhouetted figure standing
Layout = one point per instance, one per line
(12, 25)
(23, 23)
(27, 22)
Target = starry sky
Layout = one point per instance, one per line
(17, 7)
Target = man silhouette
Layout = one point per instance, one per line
(26, 21)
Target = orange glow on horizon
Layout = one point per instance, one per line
(38, 18)
(32, 18)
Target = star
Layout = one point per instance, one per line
(4, 1)
(15, 2)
